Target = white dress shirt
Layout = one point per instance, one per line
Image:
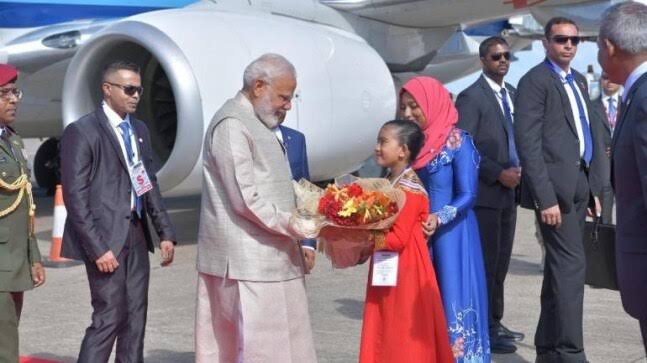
(114, 119)
(571, 98)
(497, 91)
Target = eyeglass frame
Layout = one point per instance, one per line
(497, 56)
(6, 93)
(127, 89)
(563, 39)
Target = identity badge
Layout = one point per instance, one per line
(385, 268)
(139, 178)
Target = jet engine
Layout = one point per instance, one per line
(193, 60)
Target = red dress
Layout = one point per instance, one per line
(406, 323)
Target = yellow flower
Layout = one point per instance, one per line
(348, 209)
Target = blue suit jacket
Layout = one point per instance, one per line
(295, 144)
(629, 178)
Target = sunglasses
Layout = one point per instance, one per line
(6, 93)
(563, 39)
(497, 56)
(128, 90)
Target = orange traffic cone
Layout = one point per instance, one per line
(60, 214)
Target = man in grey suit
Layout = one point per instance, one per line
(606, 109)
(485, 110)
(110, 189)
(555, 141)
(623, 55)
(252, 305)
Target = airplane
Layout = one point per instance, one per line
(351, 56)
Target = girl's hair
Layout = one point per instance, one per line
(410, 134)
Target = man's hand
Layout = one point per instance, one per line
(107, 262)
(309, 257)
(37, 274)
(598, 208)
(552, 216)
(510, 177)
(429, 226)
(167, 252)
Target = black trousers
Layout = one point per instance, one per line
(496, 227)
(559, 336)
(120, 303)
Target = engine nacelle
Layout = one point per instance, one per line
(192, 62)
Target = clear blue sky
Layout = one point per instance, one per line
(586, 54)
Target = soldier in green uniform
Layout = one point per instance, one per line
(20, 264)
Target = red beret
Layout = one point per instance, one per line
(8, 73)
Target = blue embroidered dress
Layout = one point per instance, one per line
(451, 180)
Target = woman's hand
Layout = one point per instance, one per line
(429, 226)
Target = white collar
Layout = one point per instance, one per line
(614, 96)
(561, 72)
(112, 116)
(495, 86)
(633, 77)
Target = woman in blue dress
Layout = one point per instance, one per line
(448, 167)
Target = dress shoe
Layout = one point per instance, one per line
(502, 332)
(501, 346)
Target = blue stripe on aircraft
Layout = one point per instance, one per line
(27, 14)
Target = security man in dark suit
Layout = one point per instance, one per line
(608, 108)
(556, 143)
(623, 56)
(294, 143)
(485, 110)
(20, 263)
(110, 191)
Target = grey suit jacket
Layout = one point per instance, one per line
(247, 198)
(547, 141)
(97, 189)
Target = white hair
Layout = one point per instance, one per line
(625, 25)
(266, 68)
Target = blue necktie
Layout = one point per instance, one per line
(125, 135)
(586, 130)
(512, 147)
(612, 113)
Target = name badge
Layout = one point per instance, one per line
(385, 268)
(139, 179)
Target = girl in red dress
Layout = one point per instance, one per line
(405, 322)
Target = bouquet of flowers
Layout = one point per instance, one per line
(349, 214)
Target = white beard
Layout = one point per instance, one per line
(265, 113)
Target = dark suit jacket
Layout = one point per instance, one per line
(295, 144)
(97, 189)
(479, 114)
(600, 177)
(629, 167)
(547, 141)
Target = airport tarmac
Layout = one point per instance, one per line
(56, 315)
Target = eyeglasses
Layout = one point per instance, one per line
(128, 90)
(6, 93)
(497, 56)
(563, 39)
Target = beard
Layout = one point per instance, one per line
(266, 113)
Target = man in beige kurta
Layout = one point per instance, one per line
(251, 304)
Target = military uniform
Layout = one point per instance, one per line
(18, 247)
